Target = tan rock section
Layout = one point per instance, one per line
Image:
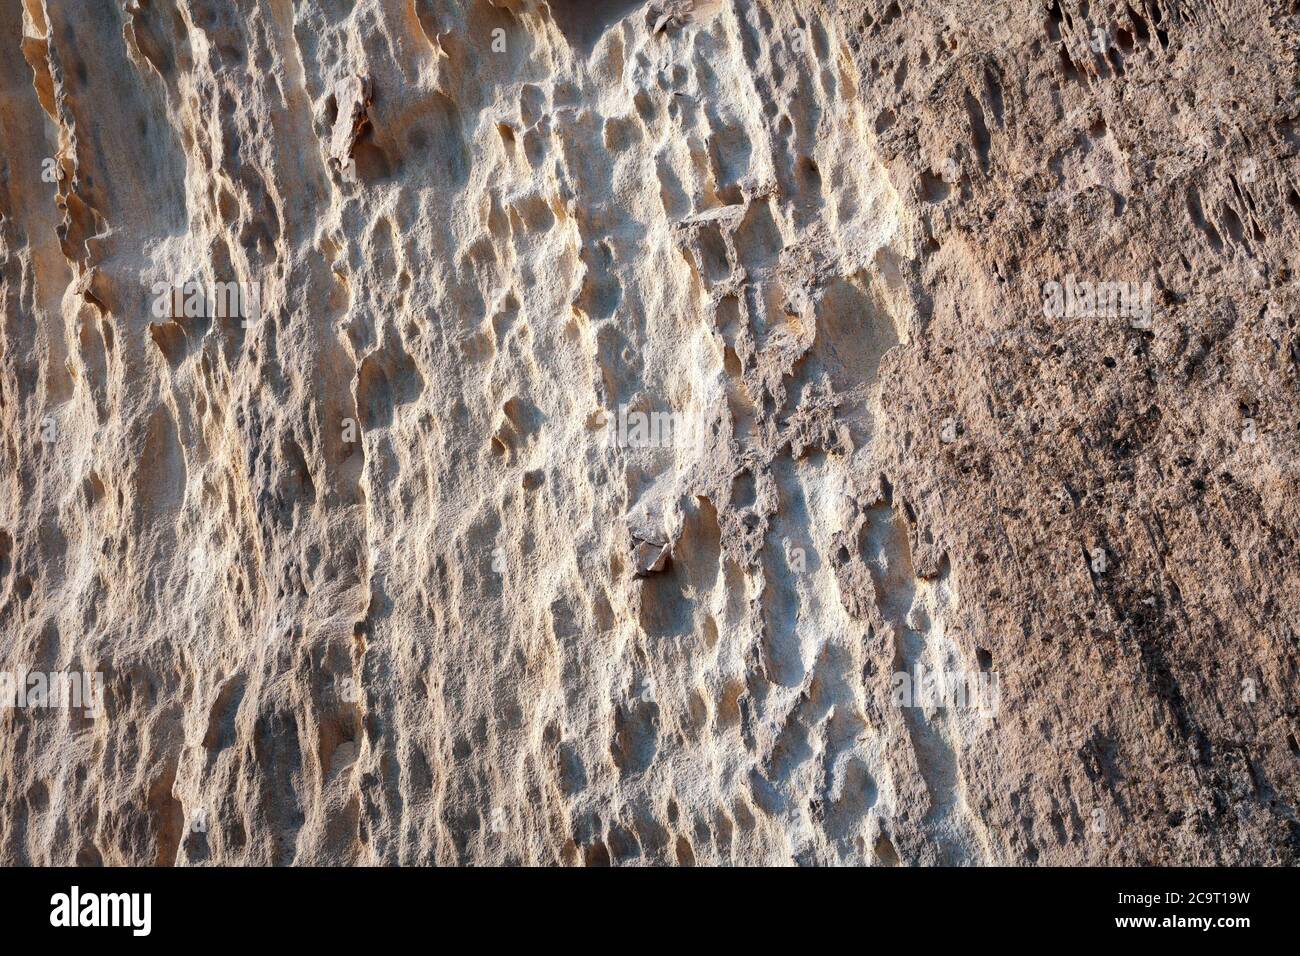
(592, 408)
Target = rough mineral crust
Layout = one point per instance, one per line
(637, 397)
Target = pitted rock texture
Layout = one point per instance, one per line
(395, 570)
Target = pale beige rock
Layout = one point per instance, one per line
(636, 390)
(352, 102)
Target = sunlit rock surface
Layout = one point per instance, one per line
(508, 431)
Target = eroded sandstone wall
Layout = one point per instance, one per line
(633, 392)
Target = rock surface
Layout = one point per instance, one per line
(631, 393)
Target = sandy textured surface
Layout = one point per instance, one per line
(634, 391)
